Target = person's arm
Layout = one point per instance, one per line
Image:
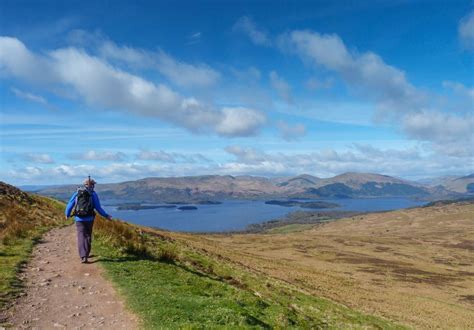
(70, 205)
(99, 208)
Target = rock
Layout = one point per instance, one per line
(86, 274)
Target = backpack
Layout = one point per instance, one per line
(84, 205)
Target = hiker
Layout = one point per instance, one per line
(82, 203)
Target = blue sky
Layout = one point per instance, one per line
(124, 90)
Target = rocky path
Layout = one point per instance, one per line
(63, 293)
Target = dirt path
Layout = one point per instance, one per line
(63, 293)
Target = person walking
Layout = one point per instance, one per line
(82, 205)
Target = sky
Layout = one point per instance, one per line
(123, 90)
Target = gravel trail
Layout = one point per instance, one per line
(63, 293)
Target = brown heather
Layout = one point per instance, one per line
(413, 266)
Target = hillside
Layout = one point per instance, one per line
(23, 220)
(415, 266)
(215, 187)
(460, 184)
(165, 279)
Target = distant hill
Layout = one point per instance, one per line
(217, 187)
(458, 184)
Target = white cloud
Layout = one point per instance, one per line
(250, 74)
(452, 135)
(291, 132)
(29, 96)
(101, 85)
(38, 158)
(365, 73)
(410, 162)
(240, 122)
(194, 38)
(461, 90)
(178, 72)
(100, 155)
(184, 74)
(397, 100)
(170, 157)
(246, 25)
(113, 172)
(281, 86)
(17, 60)
(466, 30)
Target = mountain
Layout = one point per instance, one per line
(354, 184)
(217, 187)
(299, 182)
(459, 184)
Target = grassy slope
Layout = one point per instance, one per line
(415, 266)
(170, 283)
(23, 220)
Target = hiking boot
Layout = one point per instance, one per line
(83, 260)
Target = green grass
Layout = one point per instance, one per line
(193, 289)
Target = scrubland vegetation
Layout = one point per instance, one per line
(409, 268)
(168, 281)
(23, 219)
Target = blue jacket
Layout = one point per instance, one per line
(95, 200)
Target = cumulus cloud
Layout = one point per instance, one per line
(411, 162)
(29, 96)
(185, 74)
(466, 30)
(70, 173)
(452, 135)
(170, 157)
(178, 72)
(397, 100)
(100, 155)
(112, 172)
(291, 132)
(102, 85)
(240, 122)
(365, 73)
(38, 158)
(281, 86)
(246, 25)
(461, 91)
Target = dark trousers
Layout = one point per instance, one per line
(84, 237)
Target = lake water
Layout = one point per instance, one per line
(238, 214)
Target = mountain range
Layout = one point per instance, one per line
(218, 187)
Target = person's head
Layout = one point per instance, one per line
(89, 183)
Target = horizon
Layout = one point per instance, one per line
(270, 92)
(419, 181)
